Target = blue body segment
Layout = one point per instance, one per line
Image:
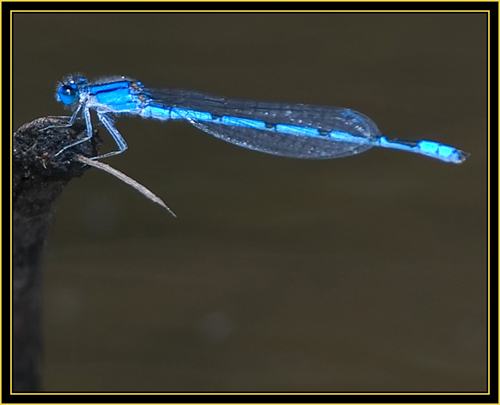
(294, 130)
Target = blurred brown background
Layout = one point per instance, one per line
(365, 273)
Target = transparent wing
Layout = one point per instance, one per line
(324, 119)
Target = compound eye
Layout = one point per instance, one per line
(67, 94)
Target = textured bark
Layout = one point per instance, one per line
(38, 179)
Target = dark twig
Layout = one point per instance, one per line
(38, 179)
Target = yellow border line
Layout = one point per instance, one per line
(488, 216)
(253, 11)
(263, 1)
(264, 11)
(11, 279)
